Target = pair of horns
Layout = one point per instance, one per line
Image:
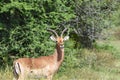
(56, 33)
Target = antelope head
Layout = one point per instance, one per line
(59, 39)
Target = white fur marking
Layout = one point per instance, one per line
(17, 68)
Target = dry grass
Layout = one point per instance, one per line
(85, 73)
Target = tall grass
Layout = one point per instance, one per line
(101, 63)
(6, 73)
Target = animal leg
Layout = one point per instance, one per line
(49, 77)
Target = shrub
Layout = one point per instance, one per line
(23, 27)
(92, 17)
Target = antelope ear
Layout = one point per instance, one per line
(53, 38)
(66, 38)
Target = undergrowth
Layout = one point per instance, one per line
(99, 63)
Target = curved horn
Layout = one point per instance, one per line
(53, 32)
(63, 32)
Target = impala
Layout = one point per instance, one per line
(44, 66)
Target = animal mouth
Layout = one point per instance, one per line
(62, 46)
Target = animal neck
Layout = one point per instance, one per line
(59, 51)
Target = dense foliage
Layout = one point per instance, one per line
(92, 17)
(23, 26)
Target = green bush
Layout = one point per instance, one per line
(92, 17)
(23, 27)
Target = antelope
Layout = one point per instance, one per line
(44, 66)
